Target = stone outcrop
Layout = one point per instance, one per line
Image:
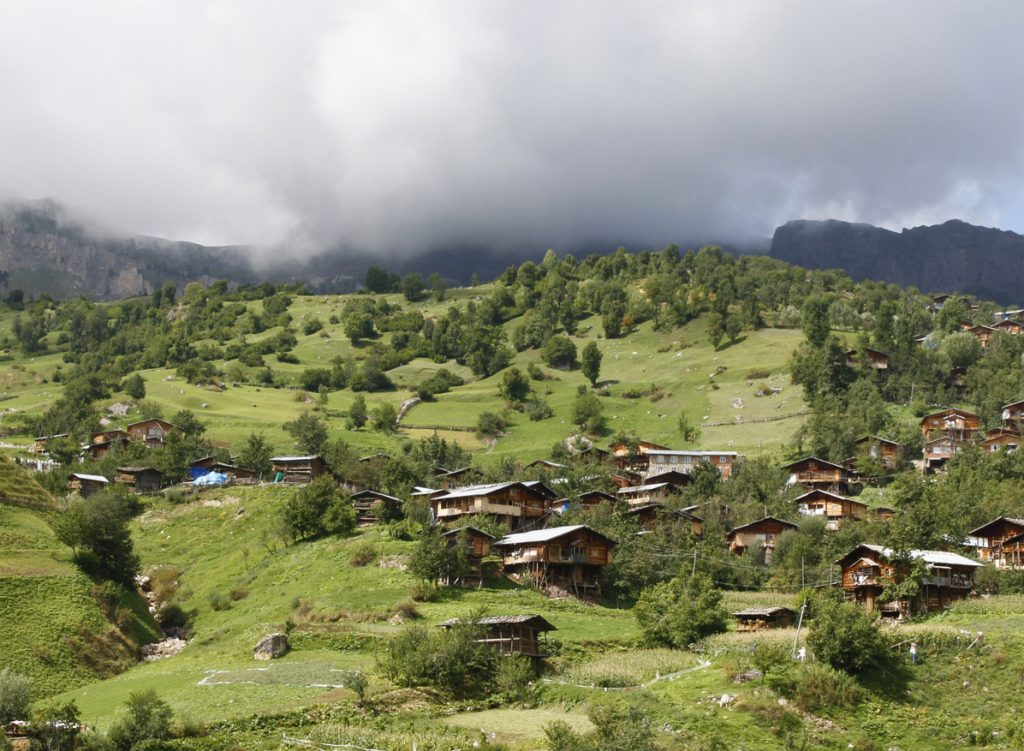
(271, 647)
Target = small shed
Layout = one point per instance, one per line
(140, 479)
(370, 505)
(756, 619)
(298, 469)
(479, 547)
(86, 485)
(511, 634)
(153, 431)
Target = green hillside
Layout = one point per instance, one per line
(55, 630)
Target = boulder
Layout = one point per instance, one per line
(270, 646)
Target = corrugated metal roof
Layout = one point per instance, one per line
(935, 557)
(93, 478)
(544, 535)
(754, 612)
(643, 488)
(496, 620)
(293, 458)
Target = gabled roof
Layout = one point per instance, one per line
(931, 557)
(834, 496)
(980, 531)
(868, 438)
(284, 459)
(138, 470)
(469, 491)
(813, 459)
(152, 419)
(537, 621)
(1014, 404)
(90, 478)
(419, 490)
(645, 488)
(599, 493)
(742, 527)
(761, 612)
(376, 494)
(671, 511)
(948, 411)
(546, 535)
(467, 528)
(546, 463)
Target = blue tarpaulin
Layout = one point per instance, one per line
(211, 478)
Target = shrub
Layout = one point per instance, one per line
(423, 592)
(449, 659)
(354, 680)
(219, 601)
(513, 679)
(173, 616)
(239, 593)
(363, 554)
(407, 610)
(845, 637)
(148, 719)
(559, 352)
(819, 687)
(538, 409)
(15, 695)
(681, 611)
(490, 424)
(316, 509)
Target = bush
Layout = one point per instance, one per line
(173, 616)
(15, 696)
(845, 637)
(559, 352)
(407, 610)
(363, 554)
(148, 719)
(819, 687)
(513, 679)
(449, 659)
(538, 409)
(680, 612)
(219, 601)
(317, 509)
(490, 424)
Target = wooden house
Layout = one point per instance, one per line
(85, 485)
(661, 460)
(868, 568)
(453, 478)
(298, 469)
(152, 432)
(512, 504)
(873, 358)
(758, 619)
(835, 509)
(377, 458)
(372, 505)
(104, 441)
(634, 456)
(982, 333)
(883, 513)
(881, 448)
(1009, 326)
(478, 545)
(990, 540)
(648, 515)
(938, 451)
(592, 498)
(956, 423)
(625, 479)
(233, 472)
(762, 534)
(567, 558)
(654, 493)
(818, 474)
(511, 634)
(671, 476)
(545, 466)
(1013, 416)
(140, 479)
(1001, 439)
(40, 444)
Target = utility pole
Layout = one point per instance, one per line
(693, 571)
(803, 580)
(799, 623)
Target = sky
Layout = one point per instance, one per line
(392, 127)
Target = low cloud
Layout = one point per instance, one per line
(393, 127)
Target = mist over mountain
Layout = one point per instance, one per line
(947, 257)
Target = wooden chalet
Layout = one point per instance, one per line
(625, 479)
(479, 547)
(511, 634)
(104, 441)
(513, 504)
(818, 474)
(868, 568)
(762, 534)
(546, 466)
(999, 541)
(658, 492)
(376, 458)
(758, 619)
(592, 498)
(881, 448)
(152, 432)
(938, 451)
(1001, 439)
(661, 460)
(453, 478)
(835, 509)
(85, 485)
(297, 469)
(233, 472)
(140, 479)
(1009, 326)
(982, 333)
(671, 476)
(568, 558)
(40, 444)
(371, 505)
(874, 358)
(634, 457)
(883, 513)
(957, 423)
(1013, 416)
(648, 515)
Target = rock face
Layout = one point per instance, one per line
(43, 248)
(270, 646)
(950, 257)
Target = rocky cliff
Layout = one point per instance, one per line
(43, 248)
(950, 257)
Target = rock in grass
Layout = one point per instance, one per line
(270, 646)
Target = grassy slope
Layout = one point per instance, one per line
(681, 371)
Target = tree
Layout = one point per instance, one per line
(733, 327)
(15, 696)
(96, 530)
(357, 414)
(355, 681)
(134, 386)
(680, 612)
(412, 287)
(559, 352)
(309, 432)
(437, 286)
(963, 349)
(587, 413)
(490, 424)
(515, 386)
(433, 560)
(814, 319)
(590, 362)
(611, 320)
(187, 422)
(384, 418)
(147, 719)
(359, 326)
(716, 328)
(689, 430)
(617, 727)
(845, 636)
(256, 454)
(55, 726)
(317, 509)
(380, 281)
